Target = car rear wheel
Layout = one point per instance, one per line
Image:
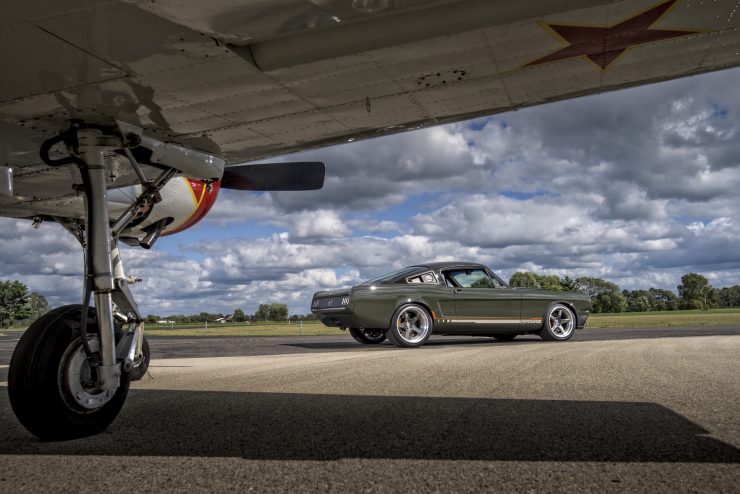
(367, 336)
(559, 325)
(411, 326)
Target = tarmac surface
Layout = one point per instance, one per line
(648, 410)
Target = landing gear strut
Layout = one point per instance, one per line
(70, 373)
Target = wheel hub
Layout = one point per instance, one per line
(77, 378)
(413, 324)
(561, 322)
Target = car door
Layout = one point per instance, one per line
(482, 304)
(534, 304)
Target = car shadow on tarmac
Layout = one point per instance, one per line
(324, 427)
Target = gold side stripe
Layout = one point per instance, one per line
(491, 321)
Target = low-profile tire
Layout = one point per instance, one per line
(504, 336)
(42, 392)
(559, 323)
(367, 336)
(411, 326)
(140, 371)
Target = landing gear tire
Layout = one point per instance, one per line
(504, 337)
(411, 326)
(559, 325)
(367, 336)
(49, 379)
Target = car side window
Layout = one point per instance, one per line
(472, 278)
(427, 277)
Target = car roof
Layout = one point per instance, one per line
(436, 266)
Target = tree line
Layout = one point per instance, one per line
(265, 312)
(17, 304)
(694, 292)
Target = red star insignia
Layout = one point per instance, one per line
(602, 45)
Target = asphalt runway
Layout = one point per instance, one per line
(648, 410)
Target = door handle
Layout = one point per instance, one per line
(457, 290)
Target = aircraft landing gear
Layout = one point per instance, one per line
(52, 384)
(69, 375)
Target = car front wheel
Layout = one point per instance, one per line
(367, 336)
(559, 324)
(411, 326)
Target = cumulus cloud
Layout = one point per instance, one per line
(637, 186)
(48, 259)
(239, 206)
(374, 225)
(318, 224)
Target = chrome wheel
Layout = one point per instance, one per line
(412, 325)
(560, 323)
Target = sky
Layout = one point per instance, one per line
(636, 187)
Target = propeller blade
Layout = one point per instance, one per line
(306, 175)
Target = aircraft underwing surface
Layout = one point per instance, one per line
(118, 118)
(249, 79)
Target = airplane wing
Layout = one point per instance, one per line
(137, 106)
(249, 79)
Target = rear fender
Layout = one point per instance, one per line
(418, 301)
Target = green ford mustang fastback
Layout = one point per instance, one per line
(460, 298)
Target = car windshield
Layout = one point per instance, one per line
(392, 276)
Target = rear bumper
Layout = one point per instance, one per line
(337, 318)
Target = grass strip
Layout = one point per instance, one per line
(693, 318)
(689, 318)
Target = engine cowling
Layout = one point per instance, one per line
(185, 201)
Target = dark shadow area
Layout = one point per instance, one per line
(350, 344)
(325, 427)
(435, 341)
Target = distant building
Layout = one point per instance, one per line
(165, 321)
(225, 319)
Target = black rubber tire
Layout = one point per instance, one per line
(138, 372)
(33, 380)
(393, 334)
(504, 336)
(546, 333)
(360, 335)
